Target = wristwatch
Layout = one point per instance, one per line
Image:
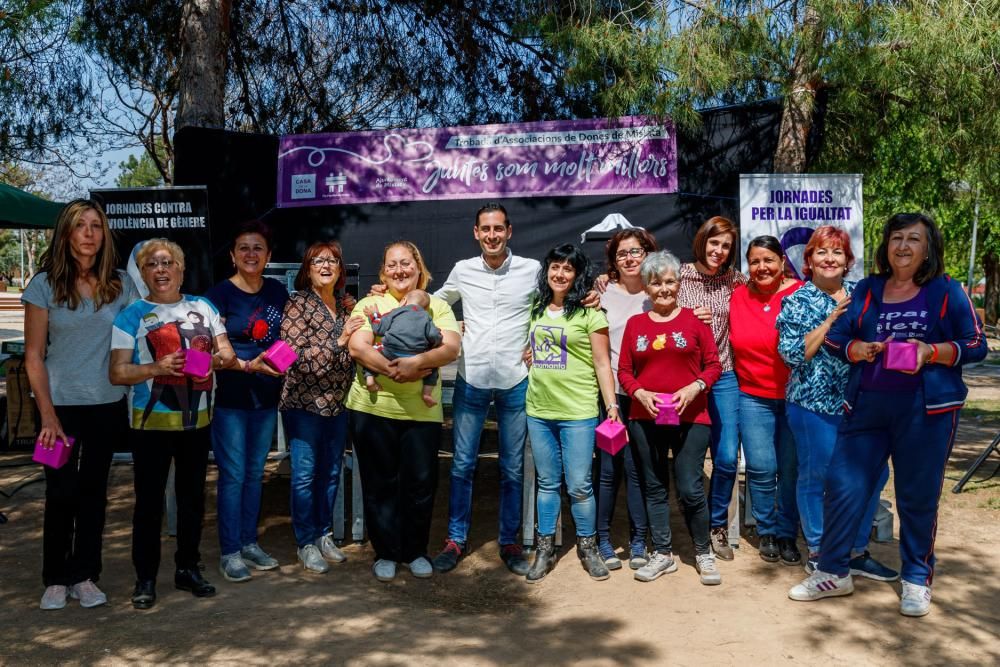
(701, 383)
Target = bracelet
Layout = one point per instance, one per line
(611, 405)
(701, 383)
(934, 354)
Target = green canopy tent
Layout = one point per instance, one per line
(22, 210)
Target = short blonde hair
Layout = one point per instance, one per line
(152, 245)
(424, 274)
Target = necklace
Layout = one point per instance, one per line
(767, 306)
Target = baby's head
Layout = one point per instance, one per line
(417, 297)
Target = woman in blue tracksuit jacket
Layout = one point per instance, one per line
(910, 417)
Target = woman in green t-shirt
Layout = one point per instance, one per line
(571, 360)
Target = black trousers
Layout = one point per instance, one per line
(653, 444)
(76, 495)
(399, 465)
(152, 452)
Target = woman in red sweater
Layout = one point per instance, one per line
(669, 350)
(762, 375)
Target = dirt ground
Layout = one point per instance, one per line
(481, 615)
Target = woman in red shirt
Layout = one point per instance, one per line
(762, 375)
(669, 350)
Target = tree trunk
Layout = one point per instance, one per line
(791, 157)
(204, 40)
(991, 300)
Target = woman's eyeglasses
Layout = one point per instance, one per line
(324, 261)
(634, 253)
(157, 263)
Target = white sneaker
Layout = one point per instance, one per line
(54, 598)
(312, 559)
(88, 594)
(916, 600)
(329, 549)
(658, 565)
(705, 564)
(820, 585)
(420, 568)
(384, 570)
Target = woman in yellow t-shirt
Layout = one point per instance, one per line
(571, 359)
(395, 433)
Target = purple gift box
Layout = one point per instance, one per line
(611, 436)
(668, 413)
(900, 356)
(280, 356)
(55, 456)
(197, 364)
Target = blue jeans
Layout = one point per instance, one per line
(769, 447)
(471, 405)
(609, 470)
(240, 441)
(815, 436)
(564, 449)
(724, 410)
(317, 449)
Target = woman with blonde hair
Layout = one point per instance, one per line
(70, 306)
(171, 414)
(395, 434)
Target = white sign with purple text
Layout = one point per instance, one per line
(790, 206)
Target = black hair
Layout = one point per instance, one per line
(932, 267)
(767, 242)
(493, 207)
(573, 302)
(255, 227)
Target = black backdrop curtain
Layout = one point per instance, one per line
(240, 171)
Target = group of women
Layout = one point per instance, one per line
(690, 357)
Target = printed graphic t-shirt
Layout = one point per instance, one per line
(253, 322)
(902, 321)
(154, 330)
(562, 383)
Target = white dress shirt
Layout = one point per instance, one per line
(496, 304)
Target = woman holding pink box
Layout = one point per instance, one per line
(70, 306)
(670, 351)
(170, 412)
(908, 416)
(246, 399)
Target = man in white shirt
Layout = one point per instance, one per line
(496, 290)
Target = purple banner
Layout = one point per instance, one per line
(632, 155)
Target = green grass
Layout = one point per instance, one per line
(989, 410)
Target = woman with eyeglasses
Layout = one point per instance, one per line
(69, 307)
(707, 284)
(246, 399)
(623, 297)
(395, 433)
(317, 325)
(170, 413)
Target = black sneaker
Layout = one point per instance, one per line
(768, 548)
(790, 554)
(512, 556)
(449, 556)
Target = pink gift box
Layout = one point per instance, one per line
(57, 455)
(900, 356)
(280, 356)
(197, 364)
(668, 413)
(611, 436)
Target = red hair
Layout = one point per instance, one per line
(302, 279)
(827, 235)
